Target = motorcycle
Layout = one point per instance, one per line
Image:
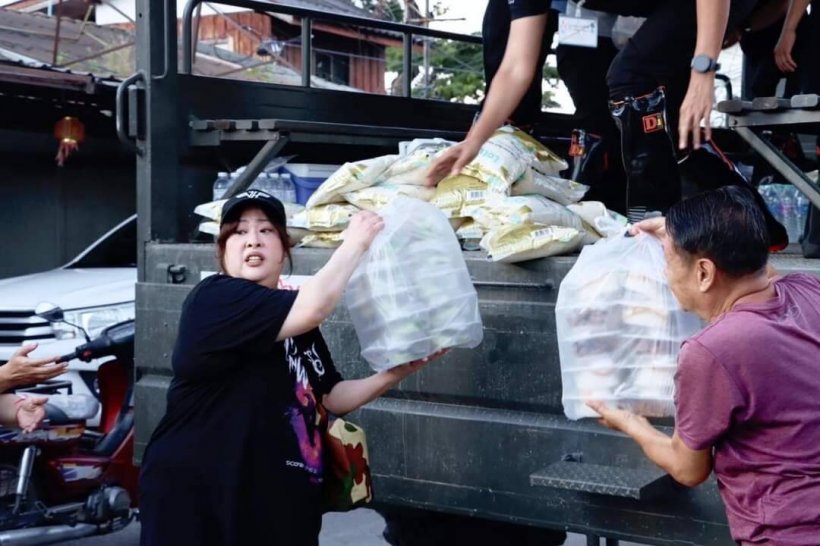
(63, 480)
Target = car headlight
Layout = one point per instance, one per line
(92, 319)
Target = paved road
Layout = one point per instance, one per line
(361, 527)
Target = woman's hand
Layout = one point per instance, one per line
(696, 108)
(363, 228)
(412, 367)
(352, 394)
(783, 51)
(22, 370)
(30, 412)
(452, 161)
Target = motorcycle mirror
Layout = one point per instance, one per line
(49, 311)
(53, 313)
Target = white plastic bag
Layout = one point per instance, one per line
(619, 329)
(412, 294)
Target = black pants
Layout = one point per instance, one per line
(583, 70)
(495, 30)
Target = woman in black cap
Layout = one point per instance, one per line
(237, 458)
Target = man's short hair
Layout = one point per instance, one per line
(724, 225)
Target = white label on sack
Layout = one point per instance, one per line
(476, 195)
(546, 233)
(577, 31)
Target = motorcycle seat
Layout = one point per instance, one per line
(68, 408)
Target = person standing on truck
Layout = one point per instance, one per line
(595, 143)
(517, 37)
(664, 76)
(746, 389)
(237, 458)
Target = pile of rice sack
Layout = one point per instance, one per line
(510, 201)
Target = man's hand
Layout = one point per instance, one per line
(696, 108)
(452, 161)
(22, 370)
(617, 419)
(30, 412)
(653, 226)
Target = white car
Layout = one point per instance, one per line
(95, 290)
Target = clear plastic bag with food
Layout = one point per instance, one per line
(412, 294)
(620, 329)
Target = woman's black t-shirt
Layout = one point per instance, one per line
(237, 457)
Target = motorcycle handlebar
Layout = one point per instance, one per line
(66, 358)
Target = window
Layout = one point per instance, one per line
(332, 67)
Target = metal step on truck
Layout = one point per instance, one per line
(477, 441)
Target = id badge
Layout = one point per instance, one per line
(577, 31)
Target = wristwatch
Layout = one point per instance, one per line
(704, 64)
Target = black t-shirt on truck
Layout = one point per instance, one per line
(237, 458)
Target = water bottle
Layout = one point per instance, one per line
(263, 183)
(789, 213)
(288, 188)
(221, 185)
(803, 205)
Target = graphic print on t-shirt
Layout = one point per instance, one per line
(303, 416)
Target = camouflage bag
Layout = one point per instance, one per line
(346, 482)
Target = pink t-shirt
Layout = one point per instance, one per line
(749, 385)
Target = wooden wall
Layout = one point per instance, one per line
(248, 29)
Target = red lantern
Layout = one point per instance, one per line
(70, 132)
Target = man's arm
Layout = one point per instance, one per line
(712, 17)
(686, 466)
(508, 87)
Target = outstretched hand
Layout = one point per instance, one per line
(30, 412)
(451, 161)
(22, 370)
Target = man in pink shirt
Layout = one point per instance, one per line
(748, 385)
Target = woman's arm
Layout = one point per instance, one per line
(351, 394)
(508, 87)
(319, 295)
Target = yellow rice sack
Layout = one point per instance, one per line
(517, 243)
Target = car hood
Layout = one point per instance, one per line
(69, 288)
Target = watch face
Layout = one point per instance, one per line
(701, 63)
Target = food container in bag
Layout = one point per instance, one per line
(412, 294)
(620, 329)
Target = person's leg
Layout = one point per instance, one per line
(596, 144)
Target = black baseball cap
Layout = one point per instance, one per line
(272, 206)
